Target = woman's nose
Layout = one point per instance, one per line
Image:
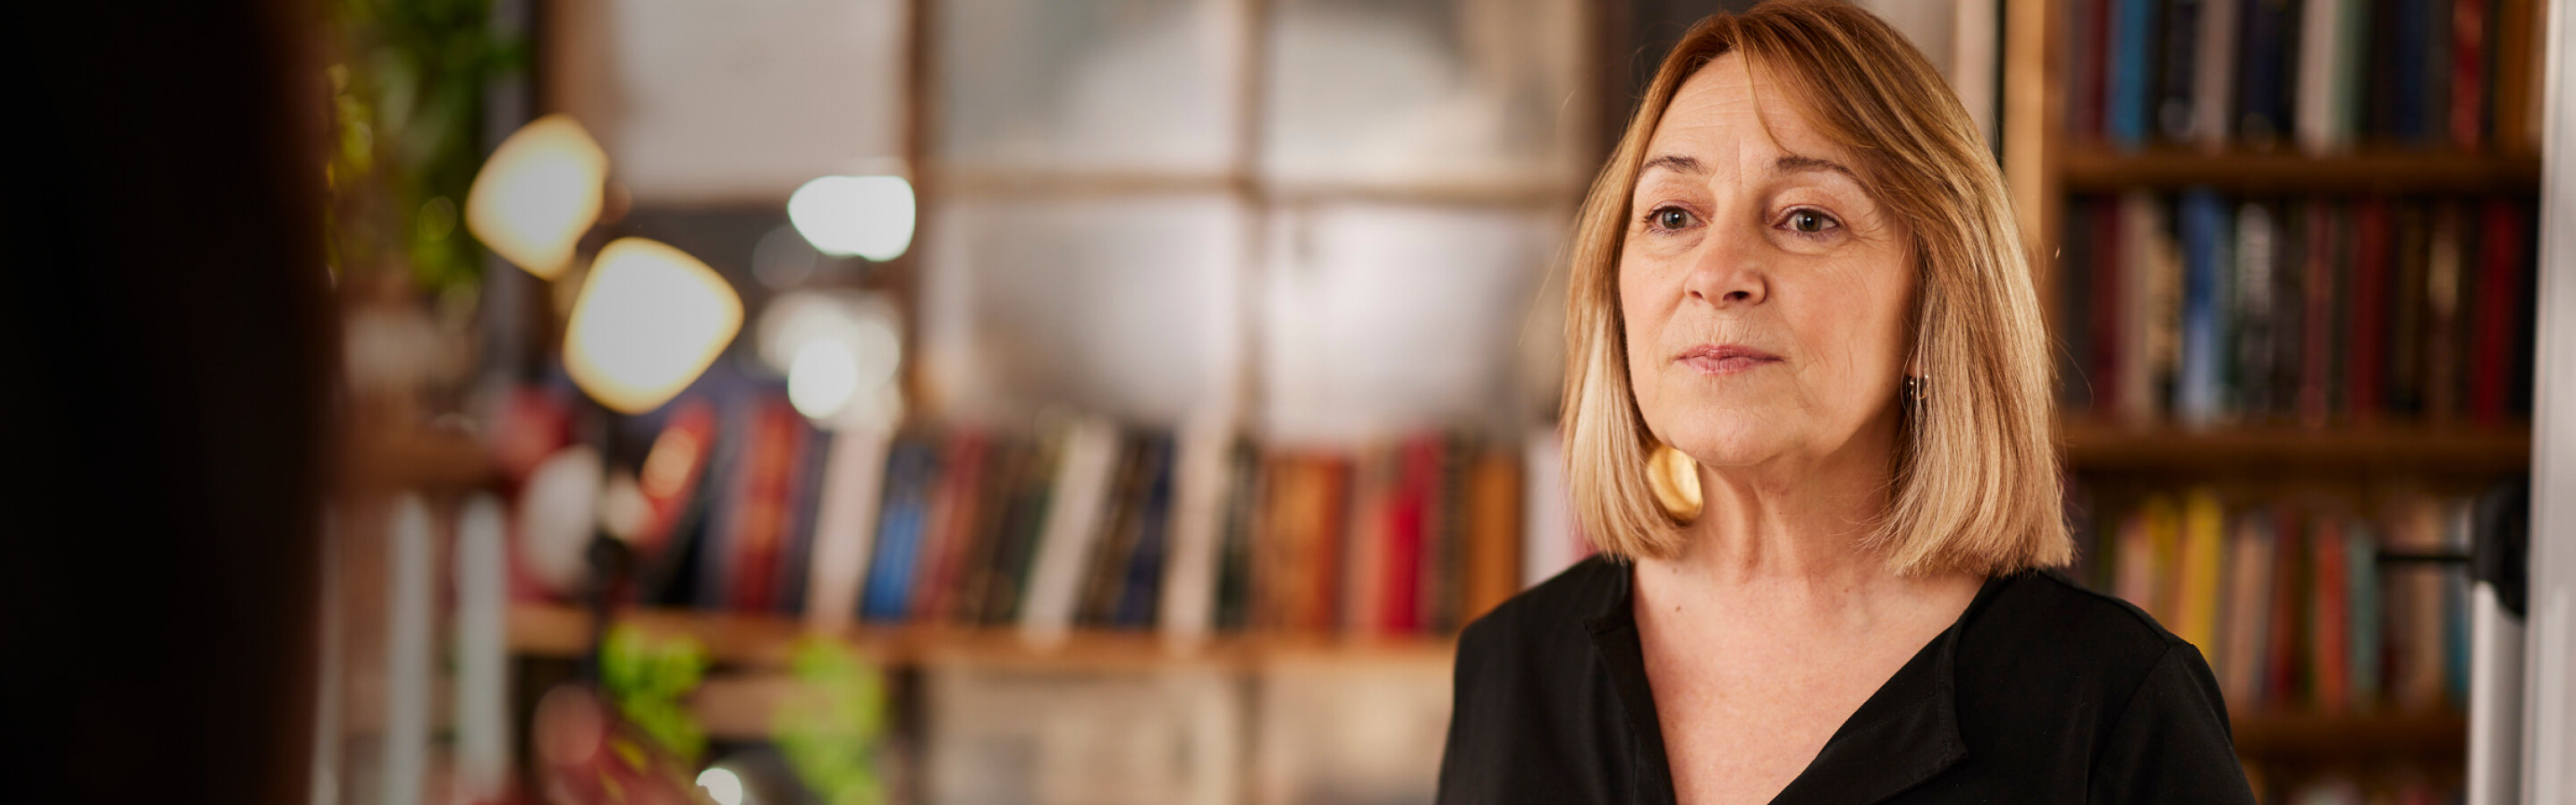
(1728, 272)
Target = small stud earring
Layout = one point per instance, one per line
(1674, 477)
(1918, 388)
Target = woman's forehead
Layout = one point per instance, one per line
(1726, 113)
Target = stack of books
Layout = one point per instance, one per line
(2300, 604)
(2330, 74)
(2206, 309)
(1080, 523)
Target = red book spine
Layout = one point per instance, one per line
(2109, 305)
(2330, 653)
(2090, 69)
(1407, 513)
(2491, 345)
(951, 528)
(2468, 73)
(2281, 679)
(764, 513)
(2316, 339)
(2365, 369)
(1334, 480)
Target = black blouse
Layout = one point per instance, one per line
(2042, 691)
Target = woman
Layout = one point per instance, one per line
(1807, 416)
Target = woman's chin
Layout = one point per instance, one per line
(1730, 446)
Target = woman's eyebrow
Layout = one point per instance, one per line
(1672, 162)
(1800, 163)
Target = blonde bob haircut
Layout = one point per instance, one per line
(1975, 484)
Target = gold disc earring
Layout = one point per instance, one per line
(1674, 477)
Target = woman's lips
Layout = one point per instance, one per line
(1725, 359)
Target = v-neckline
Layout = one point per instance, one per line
(1904, 733)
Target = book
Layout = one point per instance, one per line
(2496, 332)
(2214, 75)
(2198, 579)
(2133, 46)
(1052, 569)
(2200, 397)
(2246, 605)
(907, 485)
(2321, 121)
(844, 527)
(2468, 75)
(1493, 532)
(2407, 301)
(957, 516)
(2256, 313)
(2446, 260)
(2264, 67)
(1201, 484)
(2177, 64)
(1141, 594)
(2366, 333)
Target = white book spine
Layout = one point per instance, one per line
(2317, 65)
(845, 527)
(482, 652)
(1072, 524)
(1189, 581)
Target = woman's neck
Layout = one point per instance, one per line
(1793, 535)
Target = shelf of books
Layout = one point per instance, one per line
(1077, 542)
(2292, 262)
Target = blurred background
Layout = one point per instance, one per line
(1091, 401)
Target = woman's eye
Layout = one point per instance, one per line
(1669, 218)
(1809, 222)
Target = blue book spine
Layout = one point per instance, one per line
(726, 475)
(2199, 393)
(901, 514)
(2262, 97)
(1138, 600)
(2413, 34)
(2132, 64)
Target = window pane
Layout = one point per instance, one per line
(1380, 318)
(1124, 307)
(1089, 85)
(1441, 92)
(698, 102)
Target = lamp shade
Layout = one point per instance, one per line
(537, 194)
(650, 319)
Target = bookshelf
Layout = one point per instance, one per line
(2101, 446)
(2071, 184)
(766, 641)
(2098, 169)
(754, 647)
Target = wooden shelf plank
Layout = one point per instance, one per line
(2416, 736)
(2097, 446)
(765, 641)
(2099, 169)
(390, 458)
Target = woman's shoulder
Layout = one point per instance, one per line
(1550, 614)
(2040, 627)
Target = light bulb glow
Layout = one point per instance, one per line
(868, 216)
(823, 378)
(722, 785)
(537, 194)
(650, 319)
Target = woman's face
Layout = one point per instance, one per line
(1764, 292)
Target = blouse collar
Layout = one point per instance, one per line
(1904, 734)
